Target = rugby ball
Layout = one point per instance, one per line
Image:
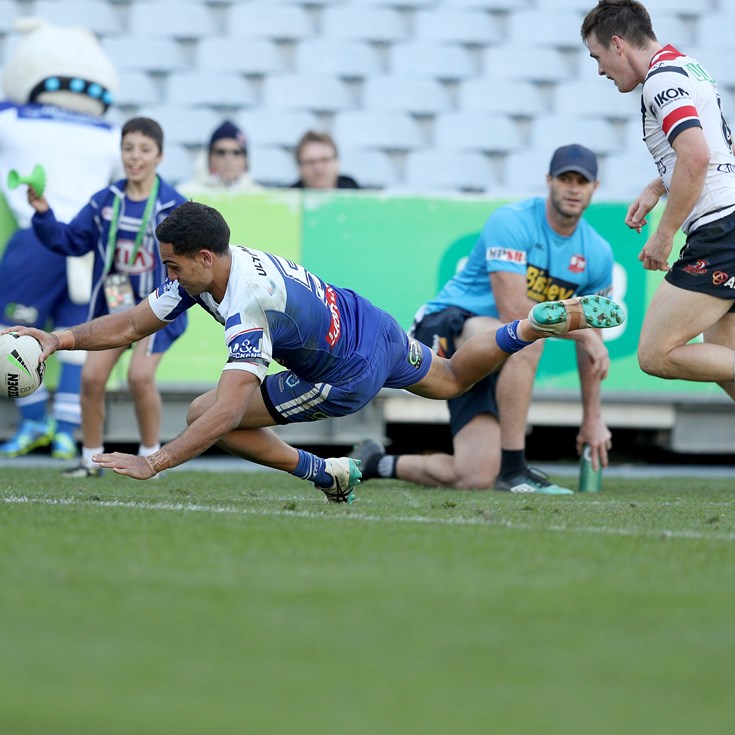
(20, 371)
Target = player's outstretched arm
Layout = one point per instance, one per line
(103, 333)
(234, 392)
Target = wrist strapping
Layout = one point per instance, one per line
(66, 339)
(158, 461)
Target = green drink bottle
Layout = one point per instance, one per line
(590, 479)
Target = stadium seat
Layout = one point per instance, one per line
(137, 88)
(527, 63)
(524, 172)
(252, 57)
(390, 131)
(714, 31)
(305, 92)
(188, 126)
(273, 166)
(336, 57)
(435, 170)
(8, 14)
(676, 31)
(177, 165)
(410, 94)
(131, 53)
(371, 169)
(202, 88)
(100, 17)
(500, 96)
(597, 98)
(545, 27)
(430, 59)
(274, 21)
(597, 134)
(276, 127)
(624, 176)
(476, 132)
(491, 5)
(185, 19)
(456, 26)
(363, 24)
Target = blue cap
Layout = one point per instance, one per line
(574, 158)
(229, 130)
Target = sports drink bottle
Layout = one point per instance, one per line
(590, 479)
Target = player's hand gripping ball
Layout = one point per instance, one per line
(20, 371)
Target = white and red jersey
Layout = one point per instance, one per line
(678, 93)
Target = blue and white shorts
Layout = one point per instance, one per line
(396, 361)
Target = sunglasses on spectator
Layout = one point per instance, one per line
(227, 152)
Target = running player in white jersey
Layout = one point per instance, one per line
(338, 349)
(691, 144)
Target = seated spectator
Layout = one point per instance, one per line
(225, 167)
(318, 162)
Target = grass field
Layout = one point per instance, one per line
(208, 603)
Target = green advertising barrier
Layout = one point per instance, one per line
(397, 251)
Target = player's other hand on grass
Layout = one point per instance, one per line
(131, 465)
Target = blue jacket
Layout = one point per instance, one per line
(89, 230)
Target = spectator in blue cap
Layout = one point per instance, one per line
(225, 167)
(535, 250)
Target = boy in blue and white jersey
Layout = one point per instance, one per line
(339, 350)
(536, 250)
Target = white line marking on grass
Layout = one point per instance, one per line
(231, 510)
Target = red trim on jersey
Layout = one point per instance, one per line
(676, 116)
(667, 53)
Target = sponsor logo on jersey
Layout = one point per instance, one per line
(540, 286)
(415, 353)
(335, 323)
(726, 168)
(577, 263)
(257, 263)
(719, 278)
(247, 345)
(697, 269)
(509, 256)
(292, 380)
(670, 95)
(144, 260)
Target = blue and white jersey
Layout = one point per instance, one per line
(79, 153)
(274, 309)
(518, 239)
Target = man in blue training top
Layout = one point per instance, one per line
(536, 250)
(338, 349)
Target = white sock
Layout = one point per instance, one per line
(144, 451)
(88, 453)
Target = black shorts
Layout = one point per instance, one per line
(439, 331)
(706, 263)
